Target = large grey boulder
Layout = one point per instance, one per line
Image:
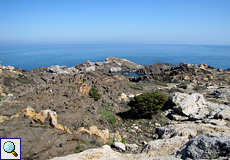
(193, 106)
(207, 146)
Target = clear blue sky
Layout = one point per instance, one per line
(115, 21)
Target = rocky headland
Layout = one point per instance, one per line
(51, 110)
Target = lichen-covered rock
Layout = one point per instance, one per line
(208, 146)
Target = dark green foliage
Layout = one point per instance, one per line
(212, 67)
(149, 102)
(93, 93)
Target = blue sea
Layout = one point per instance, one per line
(33, 56)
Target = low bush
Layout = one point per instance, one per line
(93, 93)
(149, 102)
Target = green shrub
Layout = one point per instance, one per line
(150, 102)
(93, 93)
(83, 141)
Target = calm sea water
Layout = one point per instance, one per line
(34, 56)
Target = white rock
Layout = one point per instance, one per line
(120, 145)
(192, 106)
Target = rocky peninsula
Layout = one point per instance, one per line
(51, 110)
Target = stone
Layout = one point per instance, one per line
(103, 135)
(0, 71)
(208, 146)
(0, 90)
(114, 69)
(84, 90)
(123, 97)
(117, 136)
(222, 112)
(82, 129)
(214, 122)
(220, 69)
(103, 153)
(131, 147)
(120, 145)
(164, 147)
(28, 112)
(189, 129)
(223, 94)
(192, 106)
(91, 68)
(203, 66)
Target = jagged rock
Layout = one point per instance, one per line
(123, 97)
(153, 69)
(223, 94)
(0, 90)
(10, 68)
(164, 147)
(29, 112)
(203, 66)
(102, 134)
(6, 118)
(131, 147)
(82, 129)
(115, 69)
(105, 152)
(221, 112)
(214, 122)
(207, 146)
(62, 70)
(120, 145)
(117, 136)
(189, 129)
(84, 90)
(193, 106)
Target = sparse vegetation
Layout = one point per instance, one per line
(83, 141)
(79, 148)
(150, 102)
(93, 93)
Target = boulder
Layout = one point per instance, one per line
(103, 135)
(189, 129)
(221, 112)
(164, 147)
(120, 145)
(207, 146)
(192, 106)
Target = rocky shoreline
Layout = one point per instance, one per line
(51, 111)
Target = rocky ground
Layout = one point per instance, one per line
(51, 111)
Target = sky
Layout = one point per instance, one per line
(115, 21)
